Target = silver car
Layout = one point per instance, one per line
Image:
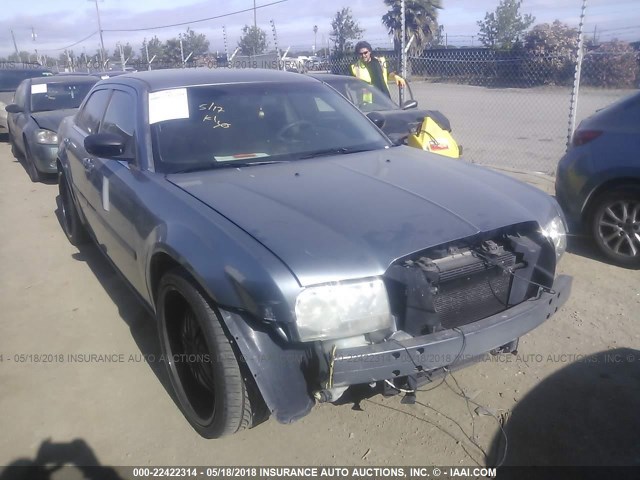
(39, 106)
(290, 252)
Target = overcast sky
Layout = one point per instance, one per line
(61, 23)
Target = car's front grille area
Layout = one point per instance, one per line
(468, 294)
(446, 289)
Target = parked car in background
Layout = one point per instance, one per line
(35, 114)
(427, 130)
(598, 180)
(11, 74)
(289, 250)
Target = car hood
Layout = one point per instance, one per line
(351, 216)
(51, 120)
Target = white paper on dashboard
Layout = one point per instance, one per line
(168, 105)
(41, 88)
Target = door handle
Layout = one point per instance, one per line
(88, 165)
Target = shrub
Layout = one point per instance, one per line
(612, 64)
(551, 51)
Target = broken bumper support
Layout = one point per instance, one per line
(398, 358)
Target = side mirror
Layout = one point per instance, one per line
(376, 118)
(409, 104)
(105, 145)
(13, 108)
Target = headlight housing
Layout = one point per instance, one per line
(342, 309)
(46, 137)
(556, 231)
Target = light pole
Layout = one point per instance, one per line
(315, 39)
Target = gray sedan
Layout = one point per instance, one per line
(38, 107)
(290, 252)
(598, 180)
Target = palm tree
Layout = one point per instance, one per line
(421, 21)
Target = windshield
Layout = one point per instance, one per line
(10, 79)
(366, 97)
(238, 124)
(58, 96)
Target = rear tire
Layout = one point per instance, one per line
(213, 391)
(615, 226)
(71, 224)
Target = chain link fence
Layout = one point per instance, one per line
(507, 109)
(512, 109)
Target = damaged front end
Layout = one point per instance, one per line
(450, 306)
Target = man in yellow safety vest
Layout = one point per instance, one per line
(372, 69)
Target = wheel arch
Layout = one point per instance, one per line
(620, 183)
(269, 363)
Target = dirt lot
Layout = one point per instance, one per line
(523, 128)
(560, 406)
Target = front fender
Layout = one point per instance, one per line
(234, 270)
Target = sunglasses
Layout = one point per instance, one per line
(364, 52)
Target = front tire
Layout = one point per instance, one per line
(205, 374)
(615, 225)
(32, 170)
(71, 224)
(14, 149)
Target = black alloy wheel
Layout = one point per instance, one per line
(32, 170)
(14, 148)
(72, 225)
(214, 393)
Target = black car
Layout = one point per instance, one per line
(289, 250)
(39, 106)
(11, 74)
(403, 123)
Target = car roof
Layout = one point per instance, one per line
(332, 77)
(179, 77)
(612, 113)
(63, 79)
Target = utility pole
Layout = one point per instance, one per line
(33, 37)
(15, 45)
(255, 23)
(100, 31)
(315, 39)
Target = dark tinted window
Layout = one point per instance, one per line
(21, 94)
(367, 97)
(120, 119)
(224, 125)
(58, 96)
(10, 79)
(90, 116)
